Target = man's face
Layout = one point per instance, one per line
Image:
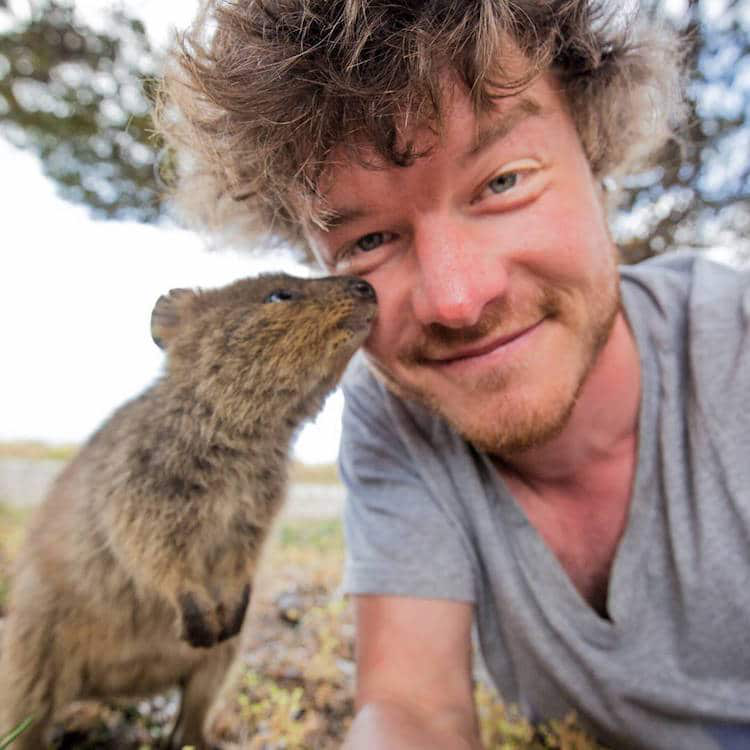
(494, 268)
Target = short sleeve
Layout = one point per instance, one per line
(404, 535)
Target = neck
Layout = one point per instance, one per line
(602, 429)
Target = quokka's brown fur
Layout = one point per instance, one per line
(136, 572)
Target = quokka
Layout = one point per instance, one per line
(137, 569)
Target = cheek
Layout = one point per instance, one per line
(384, 335)
(566, 237)
(395, 325)
(374, 345)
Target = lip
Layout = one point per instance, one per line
(482, 348)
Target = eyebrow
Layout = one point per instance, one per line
(502, 126)
(336, 219)
(497, 129)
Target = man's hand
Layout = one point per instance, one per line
(414, 680)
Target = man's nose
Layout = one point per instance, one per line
(459, 272)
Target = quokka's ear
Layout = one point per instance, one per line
(167, 314)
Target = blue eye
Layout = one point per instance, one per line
(503, 182)
(371, 241)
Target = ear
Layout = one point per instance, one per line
(168, 311)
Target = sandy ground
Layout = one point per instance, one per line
(24, 482)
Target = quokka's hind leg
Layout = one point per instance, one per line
(223, 723)
(42, 660)
(30, 739)
(13, 713)
(27, 681)
(199, 692)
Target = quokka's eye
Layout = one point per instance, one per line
(283, 295)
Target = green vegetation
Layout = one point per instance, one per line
(79, 98)
(324, 536)
(5, 740)
(314, 473)
(12, 525)
(504, 728)
(32, 449)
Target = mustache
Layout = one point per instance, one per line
(500, 316)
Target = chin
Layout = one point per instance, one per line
(514, 429)
(496, 417)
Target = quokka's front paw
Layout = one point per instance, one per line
(206, 622)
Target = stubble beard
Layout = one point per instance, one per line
(516, 425)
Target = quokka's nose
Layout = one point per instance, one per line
(360, 288)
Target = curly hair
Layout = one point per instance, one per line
(258, 93)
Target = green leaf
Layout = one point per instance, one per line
(19, 730)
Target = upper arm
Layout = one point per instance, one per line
(412, 593)
(415, 651)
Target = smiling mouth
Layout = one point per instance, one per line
(482, 347)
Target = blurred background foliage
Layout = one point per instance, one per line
(698, 193)
(79, 98)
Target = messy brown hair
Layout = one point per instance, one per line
(258, 93)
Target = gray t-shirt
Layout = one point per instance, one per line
(428, 516)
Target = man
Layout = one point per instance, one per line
(534, 443)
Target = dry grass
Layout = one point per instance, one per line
(37, 450)
(33, 449)
(12, 525)
(314, 473)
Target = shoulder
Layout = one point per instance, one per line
(687, 277)
(681, 297)
(695, 313)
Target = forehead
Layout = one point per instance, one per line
(461, 134)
